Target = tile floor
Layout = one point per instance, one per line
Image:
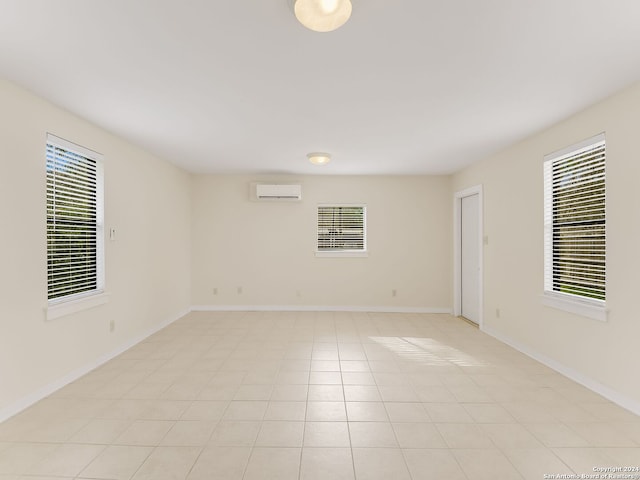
(311, 396)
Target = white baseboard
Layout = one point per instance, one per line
(607, 392)
(34, 397)
(315, 308)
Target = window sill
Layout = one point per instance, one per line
(63, 308)
(594, 310)
(345, 253)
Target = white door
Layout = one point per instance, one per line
(470, 257)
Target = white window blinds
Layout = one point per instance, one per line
(575, 221)
(74, 220)
(341, 228)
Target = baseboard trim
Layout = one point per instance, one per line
(315, 308)
(607, 392)
(34, 397)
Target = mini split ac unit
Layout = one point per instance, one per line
(278, 192)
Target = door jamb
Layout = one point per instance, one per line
(457, 246)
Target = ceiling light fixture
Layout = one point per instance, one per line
(322, 15)
(319, 158)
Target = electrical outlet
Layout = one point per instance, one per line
(112, 326)
(497, 313)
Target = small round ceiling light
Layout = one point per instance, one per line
(322, 15)
(319, 158)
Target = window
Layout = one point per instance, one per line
(341, 230)
(74, 222)
(575, 226)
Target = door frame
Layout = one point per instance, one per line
(457, 247)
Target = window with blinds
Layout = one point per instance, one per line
(575, 221)
(74, 221)
(342, 228)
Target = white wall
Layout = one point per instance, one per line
(147, 267)
(602, 354)
(268, 248)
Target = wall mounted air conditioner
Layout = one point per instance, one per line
(278, 192)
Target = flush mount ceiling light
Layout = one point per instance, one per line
(319, 158)
(322, 15)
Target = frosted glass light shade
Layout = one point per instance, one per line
(322, 15)
(319, 158)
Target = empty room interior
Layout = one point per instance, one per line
(319, 239)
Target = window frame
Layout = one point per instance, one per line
(68, 304)
(570, 302)
(342, 252)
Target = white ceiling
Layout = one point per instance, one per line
(405, 87)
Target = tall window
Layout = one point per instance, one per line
(342, 229)
(575, 222)
(74, 221)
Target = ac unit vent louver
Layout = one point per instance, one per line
(278, 192)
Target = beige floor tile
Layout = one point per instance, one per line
(235, 434)
(535, 463)
(228, 382)
(380, 464)
(447, 413)
(67, 460)
(418, 435)
(205, 410)
(464, 435)
(354, 365)
(117, 462)
(326, 412)
(361, 393)
(168, 463)
(220, 463)
(325, 393)
(372, 434)
(189, 433)
(406, 412)
(245, 410)
(434, 394)
(438, 464)
(126, 409)
(358, 378)
(488, 413)
(366, 412)
(280, 434)
(601, 434)
(528, 412)
(144, 432)
(292, 411)
(273, 464)
(165, 410)
(21, 457)
(510, 435)
(486, 464)
(624, 456)
(326, 434)
(393, 393)
(289, 393)
(326, 463)
(253, 392)
(325, 365)
(325, 378)
(292, 378)
(556, 435)
(582, 460)
(101, 431)
(389, 379)
(218, 392)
